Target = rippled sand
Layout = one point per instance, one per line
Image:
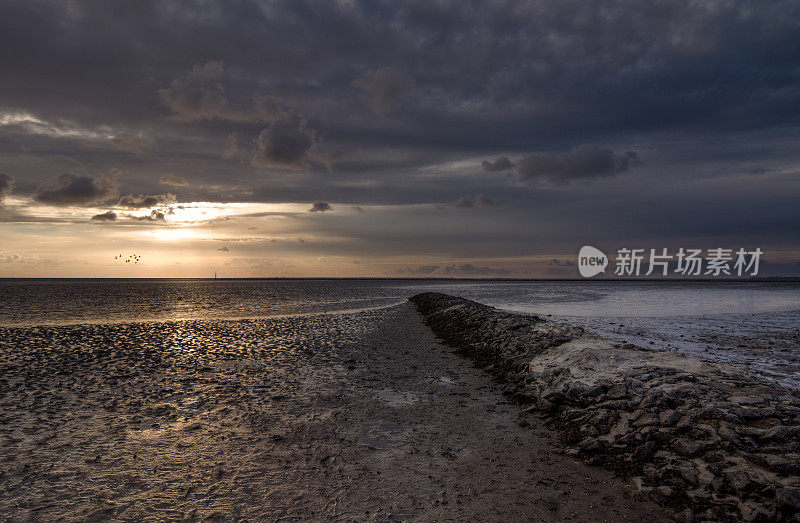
(116, 420)
(361, 416)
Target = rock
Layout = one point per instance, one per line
(722, 444)
(728, 434)
(737, 480)
(595, 391)
(685, 516)
(646, 418)
(789, 499)
(686, 447)
(637, 489)
(590, 445)
(688, 472)
(747, 400)
(669, 418)
(752, 511)
(698, 496)
(777, 433)
(776, 463)
(645, 452)
(753, 412)
(664, 491)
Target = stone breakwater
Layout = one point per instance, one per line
(710, 440)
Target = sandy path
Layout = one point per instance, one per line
(296, 419)
(435, 440)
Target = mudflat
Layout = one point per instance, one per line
(360, 416)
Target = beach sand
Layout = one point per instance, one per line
(361, 416)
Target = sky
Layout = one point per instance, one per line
(403, 139)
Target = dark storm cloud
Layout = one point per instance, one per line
(499, 164)
(141, 201)
(197, 96)
(285, 144)
(320, 207)
(700, 90)
(173, 180)
(108, 216)
(582, 163)
(6, 185)
(71, 189)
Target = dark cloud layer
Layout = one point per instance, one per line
(72, 189)
(407, 97)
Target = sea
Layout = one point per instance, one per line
(752, 324)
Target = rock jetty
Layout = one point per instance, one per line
(710, 440)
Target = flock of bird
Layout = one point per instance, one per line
(132, 258)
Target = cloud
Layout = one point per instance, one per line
(146, 200)
(421, 270)
(28, 260)
(173, 180)
(320, 207)
(130, 142)
(232, 148)
(200, 95)
(501, 163)
(469, 202)
(197, 96)
(285, 143)
(224, 248)
(6, 185)
(468, 269)
(586, 162)
(71, 189)
(386, 86)
(154, 216)
(108, 216)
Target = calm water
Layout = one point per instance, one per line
(754, 324)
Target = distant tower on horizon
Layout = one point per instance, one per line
(215, 275)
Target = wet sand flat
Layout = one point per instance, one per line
(361, 416)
